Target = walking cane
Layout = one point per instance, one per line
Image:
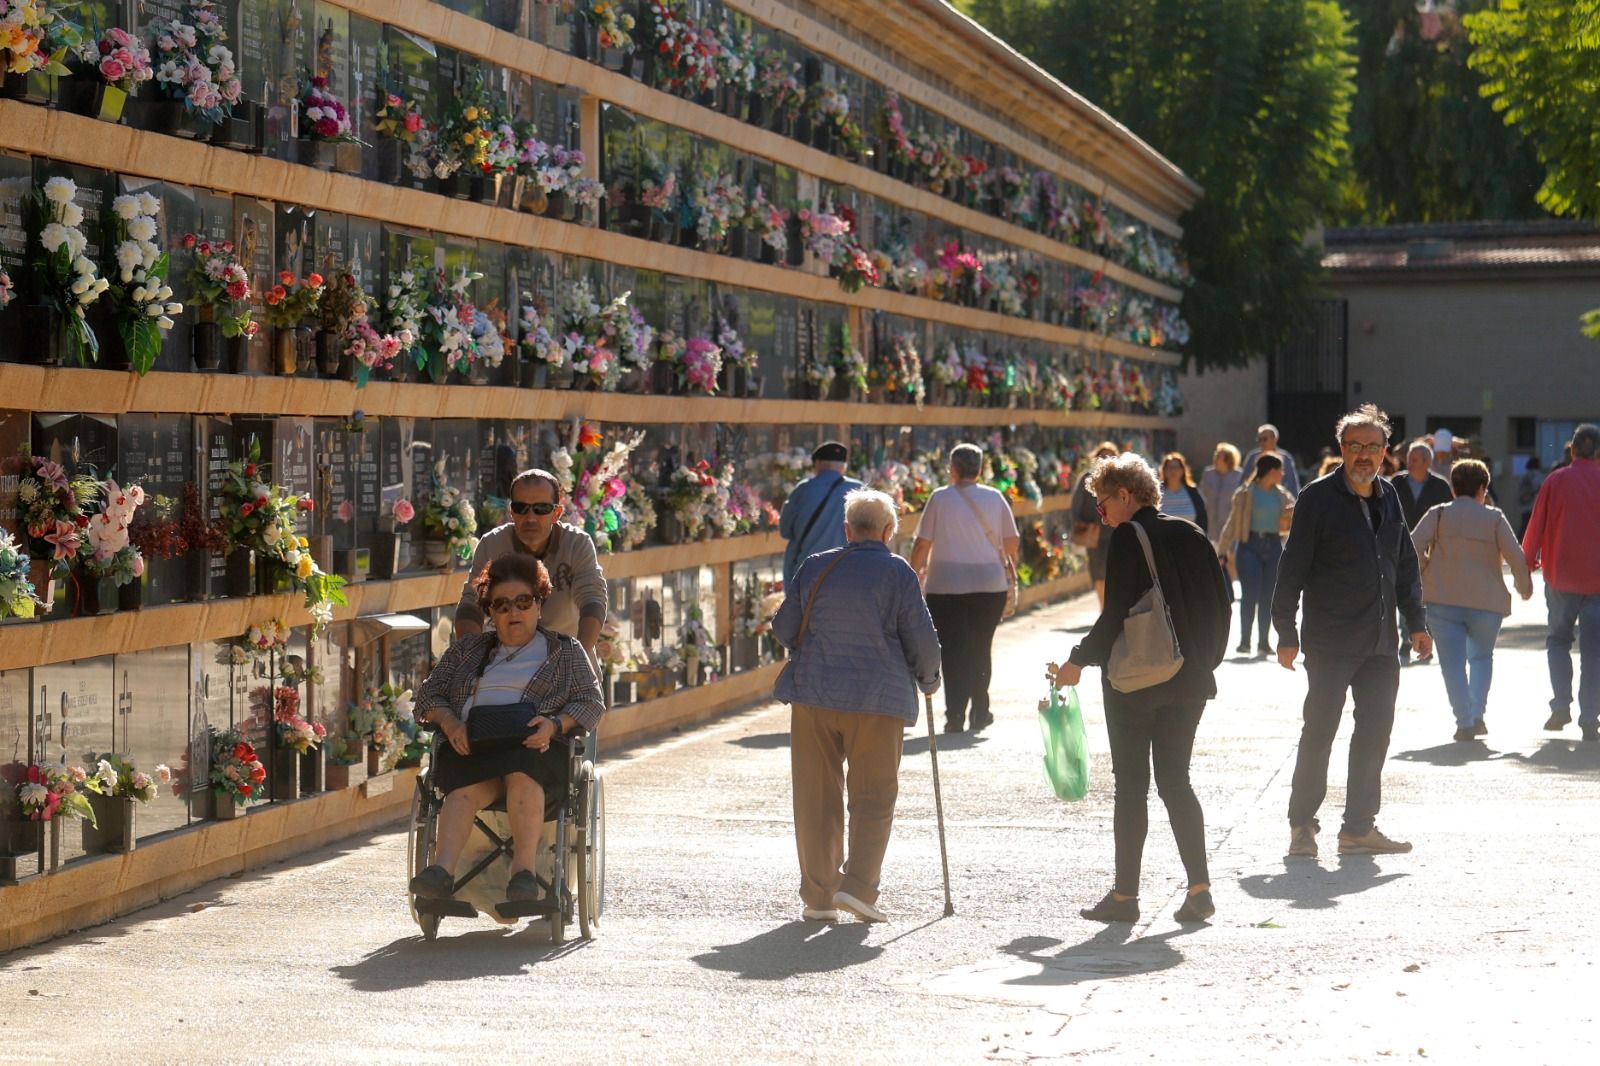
(938, 806)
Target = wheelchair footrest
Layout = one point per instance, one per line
(527, 908)
(449, 908)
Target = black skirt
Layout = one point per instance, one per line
(549, 768)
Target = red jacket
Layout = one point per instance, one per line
(1563, 536)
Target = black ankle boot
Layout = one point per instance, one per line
(1112, 909)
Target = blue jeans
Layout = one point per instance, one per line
(1571, 611)
(1465, 638)
(1256, 560)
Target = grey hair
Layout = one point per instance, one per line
(1368, 414)
(1268, 427)
(1586, 441)
(868, 511)
(1420, 446)
(966, 460)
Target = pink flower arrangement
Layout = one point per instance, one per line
(403, 511)
(194, 65)
(121, 59)
(702, 364)
(372, 350)
(325, 114)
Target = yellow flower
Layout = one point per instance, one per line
(305, 568)
(304, 544)
(466, 138)
(470, 114)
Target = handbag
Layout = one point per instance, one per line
(805, 613)
(1146, 652)
(501, 727)
(1005, 560)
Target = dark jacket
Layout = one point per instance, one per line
(1194, 587)
(1350, 576)
(870, 645)
(1435, 490)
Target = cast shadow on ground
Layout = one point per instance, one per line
(918, 745)
(792, 949)
(1306, 884)
(412, 962)
(762, 741)
(1522, 638)
(1455, 753)
(1106, 955)
(1558, 756)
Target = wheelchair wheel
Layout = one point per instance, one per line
(420, 845)
(592, 854)
(558, 881)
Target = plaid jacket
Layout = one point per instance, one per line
(565, 684)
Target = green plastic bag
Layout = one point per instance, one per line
(1066, 744)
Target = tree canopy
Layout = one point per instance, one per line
(1425, 144)
(1252, 99)
(1541, 64)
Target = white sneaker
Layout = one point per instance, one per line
(864, 911)
(820, 914)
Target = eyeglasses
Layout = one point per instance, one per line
(523, 507)
(501, 604)
(1362, 449)
(1100, 505)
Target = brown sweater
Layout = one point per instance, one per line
(1460, 547)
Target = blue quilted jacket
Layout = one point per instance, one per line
(871, 643)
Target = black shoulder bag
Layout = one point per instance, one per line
(502, 726)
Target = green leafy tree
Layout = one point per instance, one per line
(1541, 62)
(1425, 145)
(1252, 99)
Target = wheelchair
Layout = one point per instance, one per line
(571, 855)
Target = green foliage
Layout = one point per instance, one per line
(1251, 98)
(1541, 62)
(1426, 146)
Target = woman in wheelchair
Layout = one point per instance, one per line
(500, 698)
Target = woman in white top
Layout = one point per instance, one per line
(966, 554)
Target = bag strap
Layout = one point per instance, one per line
(994, 542)
(1149, 556)
(823, 506)
(805, 615)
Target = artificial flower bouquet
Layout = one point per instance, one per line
(118, 58)
(49, 792)
(18, 598)
(326, 117)
(449, 514)
(116, 777)
(219, 285)
(66, 281)
(107, 550)
(293, 732)
(140, 297)
(193, 65)
(53, 510)
(292, 299)
(236, 772)
(448, 342)
(34, 37)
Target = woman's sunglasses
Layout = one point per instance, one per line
(502, 604)
(541, 509)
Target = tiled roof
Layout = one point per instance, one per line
(1545, 244)
(1584, 255)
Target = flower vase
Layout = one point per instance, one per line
(512, 188)
(115, 829)
(669, 527)
(238, 349)
(635, 382)
(561, 206)
(21, 839)
(35, 88)
(486, 188)
(347, 158)
(802, 129)
(733, 243)
(84, 593)
(313, 772)
(663, 378)
(374, 762)
(168, 116)
(88, 94)
(107, 330)
(285, 774)
(130, 597)
(285, 351)
(314, 152)
(243, 130)
(733, 380)
(327, 353)
(797, 247)
(691, 671)
(44, 334)
(224, 808)
(755, 112)
(822, 136)
(536, 374)
(389, 553)
(206, 341)
(272, 576)
(436, 554)
(390, 153)
(457, 185)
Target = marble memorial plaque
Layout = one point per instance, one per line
(152, 726)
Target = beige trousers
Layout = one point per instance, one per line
(821, 743)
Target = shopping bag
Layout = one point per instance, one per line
(1066, 744)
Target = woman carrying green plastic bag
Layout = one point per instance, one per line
(1066, 744)
(1158, 640)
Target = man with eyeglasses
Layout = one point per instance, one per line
(1267, 444)
(1350, 558)
(577, 602)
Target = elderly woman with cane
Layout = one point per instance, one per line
(861, 644)
(1160, 557)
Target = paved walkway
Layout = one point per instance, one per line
(1479, 947)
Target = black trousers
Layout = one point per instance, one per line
(1143, 733)
(1373, 680)
(966, 625)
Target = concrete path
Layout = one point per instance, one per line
(1478, 947)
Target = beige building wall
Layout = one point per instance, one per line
(1221, 405)
(1493, 347)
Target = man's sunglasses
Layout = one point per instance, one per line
(502, 604)
(520, 507)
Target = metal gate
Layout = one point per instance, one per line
(1306, 380)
